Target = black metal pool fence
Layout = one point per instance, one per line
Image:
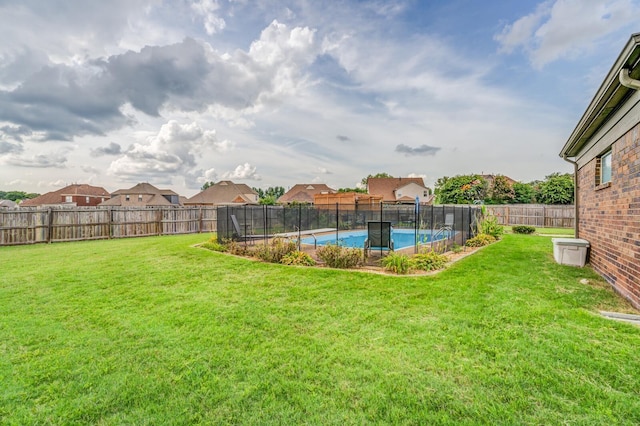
(260, 223)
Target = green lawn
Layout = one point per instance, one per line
(154, 331)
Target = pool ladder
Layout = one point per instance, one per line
(441, 232)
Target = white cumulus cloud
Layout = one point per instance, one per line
(208, 9)
(565, 28)
(172, 152)
(243, 171)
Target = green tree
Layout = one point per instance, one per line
(523, 193)
(268, 201)
(207, 185)
(274, 191)
(501, 191)
(259, 191)
(17, 195)
(556, 189)
(270, 195)
(461, 189)
(377, 175)
(360, 190)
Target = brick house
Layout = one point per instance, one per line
(224, 193)
(81, 195)
(143, 195)
(605, 150)
(304, 193)
(400, 190)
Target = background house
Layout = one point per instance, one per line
(491, 178)
(605, 149)
(224, 193)
(304, 193)
(143, 195)
(81, 195)
(7, 204)
(400, 190)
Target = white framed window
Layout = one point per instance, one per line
(127, 197)
(140, 197)
(86, 199)
(605, 168)
(68, 198)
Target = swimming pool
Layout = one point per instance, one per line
(402, 238)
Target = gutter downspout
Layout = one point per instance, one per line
(627, 81)
(576, 228)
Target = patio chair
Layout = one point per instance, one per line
(448, 222)
(238, 235)
(378, 237)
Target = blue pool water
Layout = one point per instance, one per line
(402, 238)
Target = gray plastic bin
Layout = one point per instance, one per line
(570, 251)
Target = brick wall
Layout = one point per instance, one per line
(81, 200)
(609, 216)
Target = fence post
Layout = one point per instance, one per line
(469, 230)
(111, 226)
(416, 217)
(49, 224)
(266, 222)
(337, 222)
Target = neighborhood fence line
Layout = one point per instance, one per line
(29, 226)
(540, 215)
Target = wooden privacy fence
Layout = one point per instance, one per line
(64, 224)
(540, 215)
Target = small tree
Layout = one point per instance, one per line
(268, 201)
(501, 191)
(206, 185)
(360, 190)
(556, 189)
(259, 191)
(274, 191)
(461, 189)
(523, 193)
(270, 195)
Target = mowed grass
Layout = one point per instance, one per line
(155, 331)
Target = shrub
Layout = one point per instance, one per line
(275, 250)
(456, 248)
(297, 258)
(523, 229)
(480, 240)
(429, 261)
(340, 257)
(213, 244)
(239, 249)
(397, 263)
(489, 225)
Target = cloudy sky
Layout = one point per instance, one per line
(278, 92)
